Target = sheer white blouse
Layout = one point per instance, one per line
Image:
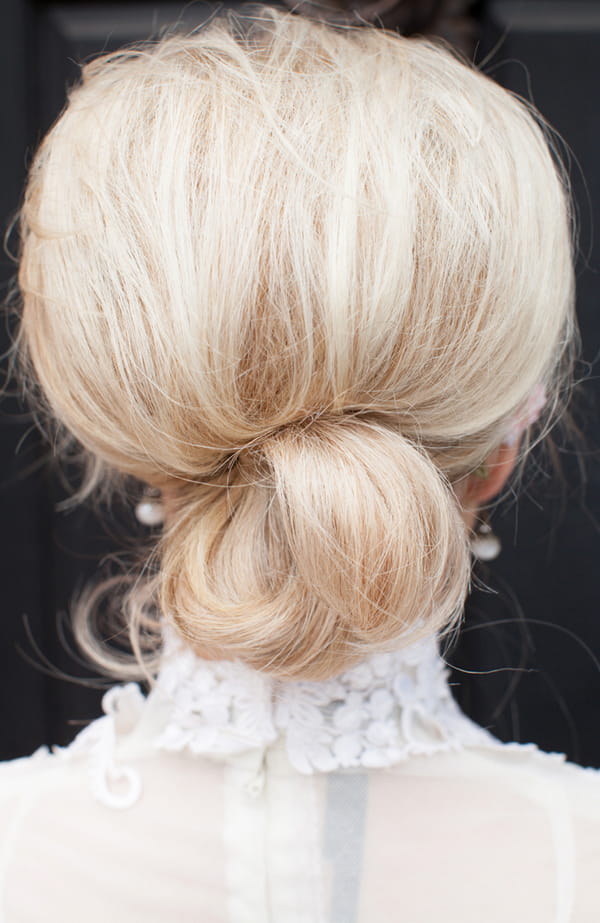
(227, 796)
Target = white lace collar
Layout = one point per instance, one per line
(378, 713)
(386, 709)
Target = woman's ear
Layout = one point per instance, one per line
(498, 468)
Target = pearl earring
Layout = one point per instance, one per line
(150, 511)
(485, 544)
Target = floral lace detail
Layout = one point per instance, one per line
(381, 711)
(217, 707)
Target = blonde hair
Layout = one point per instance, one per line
(300, 278)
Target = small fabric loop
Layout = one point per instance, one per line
(112, 785)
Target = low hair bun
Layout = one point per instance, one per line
(356, 544)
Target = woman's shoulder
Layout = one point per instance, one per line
(14, 774)
(580, 784)
(90, 756)
(98, 804)
(516, 763)
(530, 759)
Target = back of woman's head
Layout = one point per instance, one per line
(301, 279)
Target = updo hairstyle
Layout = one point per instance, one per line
(301, 279)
